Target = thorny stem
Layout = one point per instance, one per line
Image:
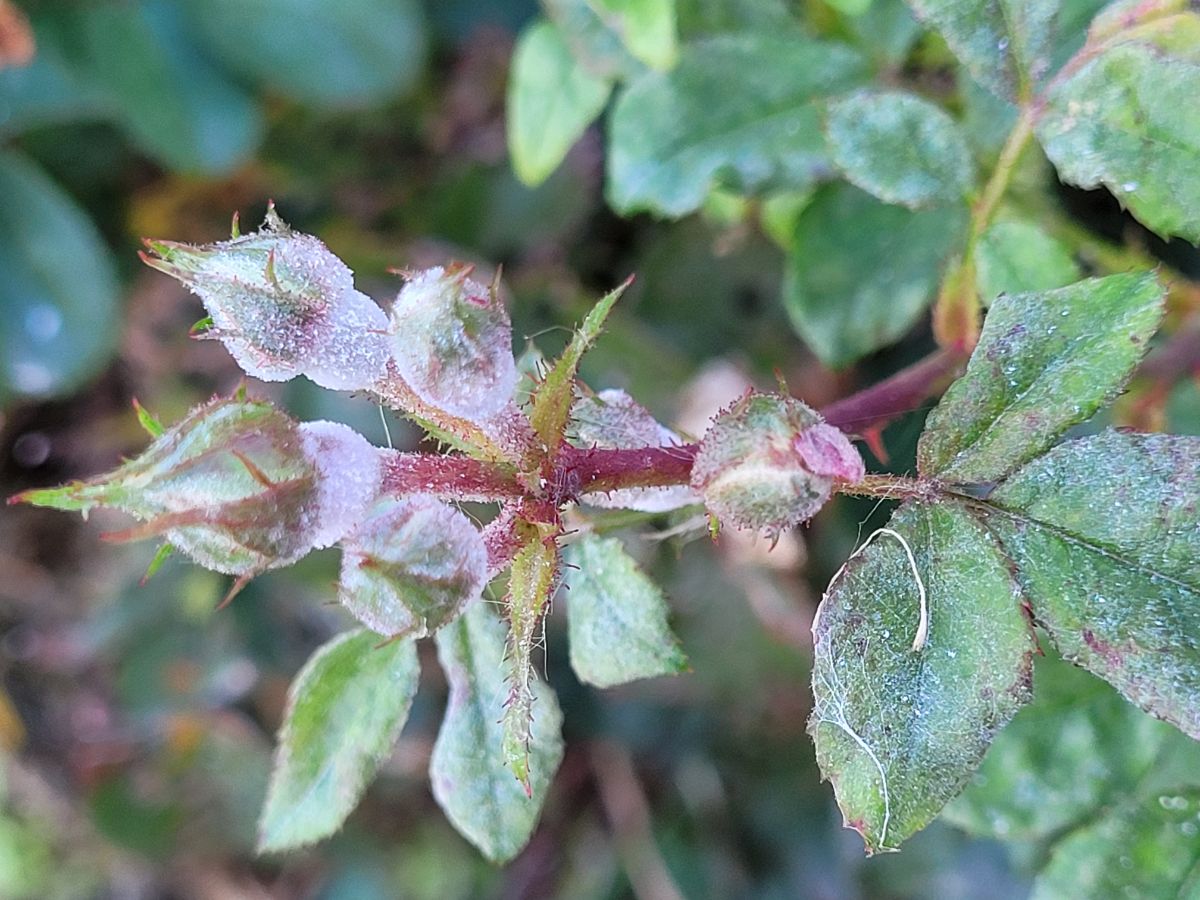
(956, 314)
(576, 471)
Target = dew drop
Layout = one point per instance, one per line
(1129, 187)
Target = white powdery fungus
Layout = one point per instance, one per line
(451, 340)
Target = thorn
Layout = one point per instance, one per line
(235, 229)
(234, 591)
(873, 438)
(386, 641)
(781, 381)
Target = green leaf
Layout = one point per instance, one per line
(139, 65)
(1116, 117)
(332, 54)
(1104, 534)
(900, 730)
(1015, 256)
(616, 617)
(598, 48)
(551, 102)
(860, 273)
(899, 148)
(470, 780)
(167, 93)
(59, 289)
(532, 581)
(738, 111)
(1079, 746)
(345, 710)
(646, 27)
(1045, 361)
(1004, 44)
(551, 404)
(1147, 849)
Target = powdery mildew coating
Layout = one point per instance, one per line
(451, 340)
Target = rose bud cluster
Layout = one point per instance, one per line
(769, 462)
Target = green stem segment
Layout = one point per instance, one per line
(956, 313)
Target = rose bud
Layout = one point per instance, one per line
(770, 462)
(283, 305)
(413, 566)
(451, 340)
(237, 486)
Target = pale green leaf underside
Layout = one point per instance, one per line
(899, 731)
(1077, 747)
(1045, 361)
(899, 148)
(551, 102)
(860, 273)
(1126, 119)
(1147, 849)
(1015, 256)
(1105, 534)
(616, 617)
(646, 28)
(345, 710)
(1004, 44)
(470, 781)
(738, 109)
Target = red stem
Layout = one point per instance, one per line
(596, 470)
(453, 476)
(876, 406)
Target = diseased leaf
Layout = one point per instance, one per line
(616, 617)
(470, 779)
(899, 148)
(1015, 256)
(1004, 44)
(60, 320)
(551, 403)
(532, 581)
(860, 273)
(738, 110)
(1147, 849)
(1079, 746)
(1045, 361)
(551, 102)
(1104, 534)
(900, 723)
(345, 710)
(1117, 117)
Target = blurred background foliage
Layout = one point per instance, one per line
(137, 724)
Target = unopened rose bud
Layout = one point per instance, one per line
(451, 340)
(283, 305)
(237, 486)
(413, 566)
(769, 462)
